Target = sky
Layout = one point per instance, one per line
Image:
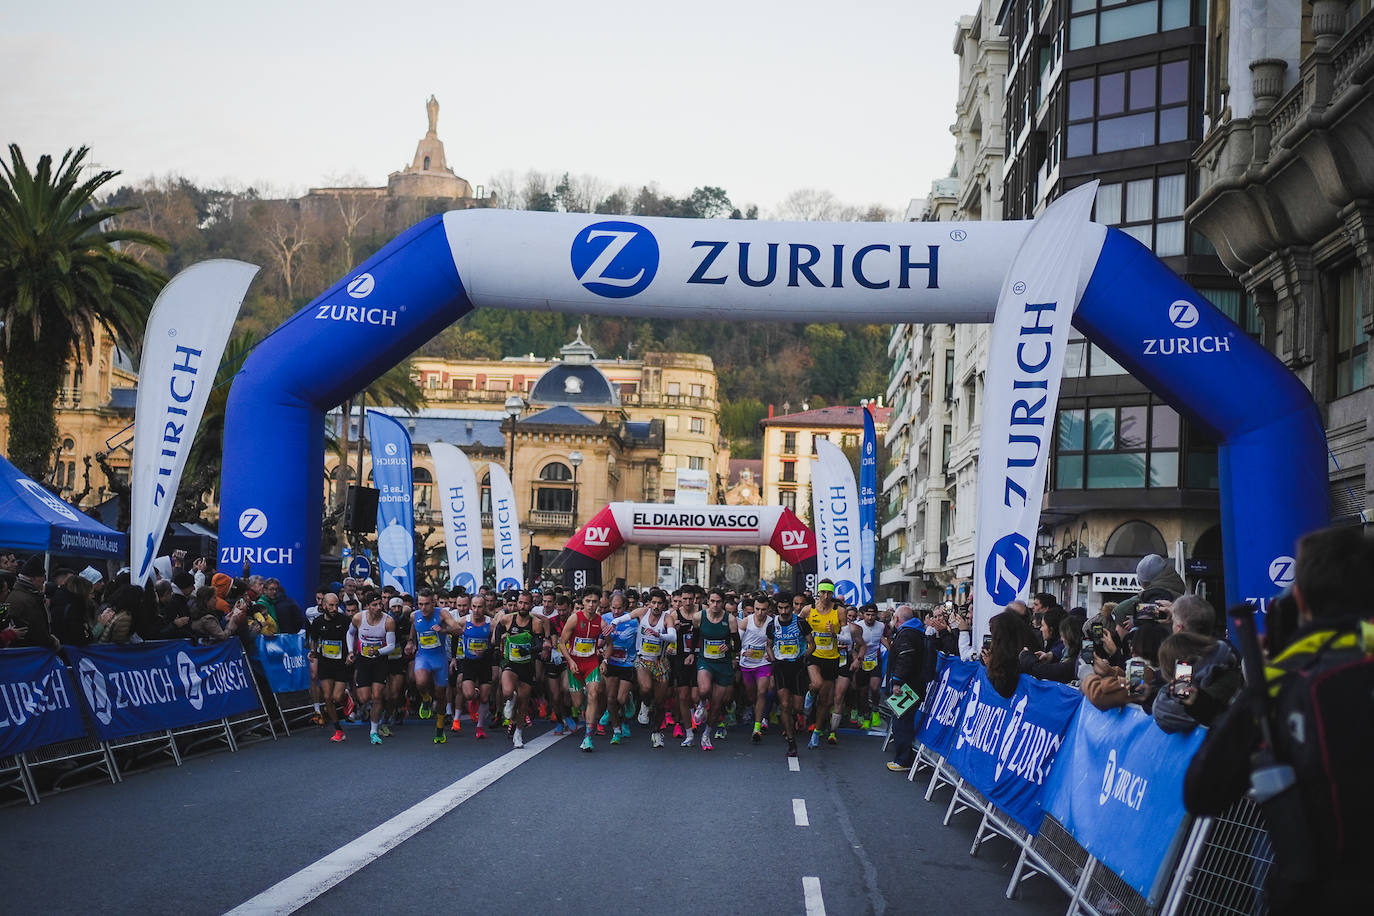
(759, 98)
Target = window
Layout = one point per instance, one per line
(814, 438)
(674, 389)
(1133, 446)
(789, 472)
(851, 440)
(422, 487)
(1349, 340)
(556, 471)
(1136, 539)
(1149, 209)
(485, 493)
(789, 443)
(546, 498)
(1236, 305)
(698, 425)
(949, 375)
(696, 463)
(970, 402)
(462, 384)
(1128, 109)
(498, 384)
(945, 443)
(1096, 22)
(670, 423)
(698, 391)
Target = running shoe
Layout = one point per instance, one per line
(440, 736)
(643, 713)
(677, 731)
(317, 719)
(571, 723)
(628, 711)
(587, 744)
(624, 730)
(384, 731)
(831, 740)
(758, 732)
(791, 747)
(706, 742)
(518, 739)
(720, 732)
(338, 736)
(656, 739)
(376, 738)
(896, 767)
(457, 726)
(615, 738)
(481, 733)
(508, 709)
(605, 718)
(559, 730)
(815, 741)
(810, 701)
(426, 709)
(698, 715)
(687, 742)
(543, 709)
(875, 721)
(600, 730)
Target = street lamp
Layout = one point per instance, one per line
(514, 405)
(575, 459)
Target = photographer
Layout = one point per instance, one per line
(1138, 680)
(1213, 678)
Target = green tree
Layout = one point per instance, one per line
(62, 273)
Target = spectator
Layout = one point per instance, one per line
(939, 636)
(288, 614)
(1030, 638)
(1215, 681)
(1003, 654)
(205, 616)
(221, 583)
(1158, 580)
(9, 562)
(907, 666)
(1107, 686)
(28, 607)
(176, 612)
(73, 612)
(116, 623)
(1049, 632)
(1191, 614)
(1065, 668)
(8, 634)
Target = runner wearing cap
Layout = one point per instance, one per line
(823, 658)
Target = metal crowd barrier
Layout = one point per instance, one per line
(1220, 868)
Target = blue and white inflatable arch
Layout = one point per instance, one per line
(1272, 453)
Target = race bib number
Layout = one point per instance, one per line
(786, 650)
(429, 641)
(870, 664)
(331, 649)
(370, 651)
(518, 651)
(651, 647)
(754, 655)
(617, 654)
(476, 647)
(825, 642)
(583, 646)
(714, 649)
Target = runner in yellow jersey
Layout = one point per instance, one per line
(823, 659)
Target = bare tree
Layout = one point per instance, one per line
(506, 187)
(807, 205)
(286, 237)
(353, 208)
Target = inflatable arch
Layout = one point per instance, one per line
(655, 523)
(1272, 447)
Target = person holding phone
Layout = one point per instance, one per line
(1203, 675)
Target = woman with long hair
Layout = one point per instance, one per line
(1002, 657)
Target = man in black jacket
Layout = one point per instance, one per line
(906, 665)
(28, 607)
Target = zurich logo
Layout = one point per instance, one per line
(390, 448)
(361, 286)
(190, 680)
(848, 591)
(1008, 567)
(467, 581)
(93, 685)
(615, 259)
(1183, 314)
(1282, 571)
(507, 582)
(1108, 777)
(47, 499)
(252, 523)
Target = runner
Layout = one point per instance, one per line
(823, 661)
(869, 674)
(684, 665)
(754, 662)
(555, 668)
(716, 667)
(578, 643)
(328, 634)
(373, 636)
(849, 643)
(788, 635)
(521, 635)
(460, 610)
(430, 624)
(476, 632)
(398, 666)
(620, 651)
(656, 634)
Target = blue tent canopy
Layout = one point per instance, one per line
(33, 519)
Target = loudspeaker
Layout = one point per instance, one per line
(360, 510)
(536, 565)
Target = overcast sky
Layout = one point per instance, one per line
(760, 98)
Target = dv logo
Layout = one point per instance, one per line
(794, 540)
(1282, 571)
(93, 685)
(190, 680)
(361, 286)
(598, 536)
(1008, 567)
(1183, 314)
(615, 259)
(252, 523)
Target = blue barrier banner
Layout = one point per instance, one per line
(37, 703)
(151, 686)
(1004, 746)
(282, 658)
(1117, 786)
(944, 703)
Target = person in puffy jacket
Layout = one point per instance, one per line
(1215, 681)
(222, 583)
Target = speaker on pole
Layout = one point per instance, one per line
(360, 510)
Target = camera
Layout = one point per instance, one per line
(1135, 676)
(987, 641)
(1183, 678)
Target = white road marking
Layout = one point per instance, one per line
(794, 764)
(815, 906)
(290, 894)
(799, 812)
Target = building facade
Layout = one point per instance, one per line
(789, 442)
(1286, 196)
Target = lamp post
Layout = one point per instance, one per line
(575, 459)
(514, 405)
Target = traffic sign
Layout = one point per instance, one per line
(359, 567)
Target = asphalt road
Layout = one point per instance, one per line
(623, 829)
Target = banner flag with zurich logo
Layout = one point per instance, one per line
(392, 476)
(37, 703)
(461, 507)
(505, 530)
(837, 495)
(868, 507)
(1030, 335)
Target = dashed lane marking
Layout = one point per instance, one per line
(815, 904)
(799, 812)
(794, 764)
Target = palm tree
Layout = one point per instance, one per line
(61, 275)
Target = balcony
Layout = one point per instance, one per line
(541, 519)
(657, 399)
